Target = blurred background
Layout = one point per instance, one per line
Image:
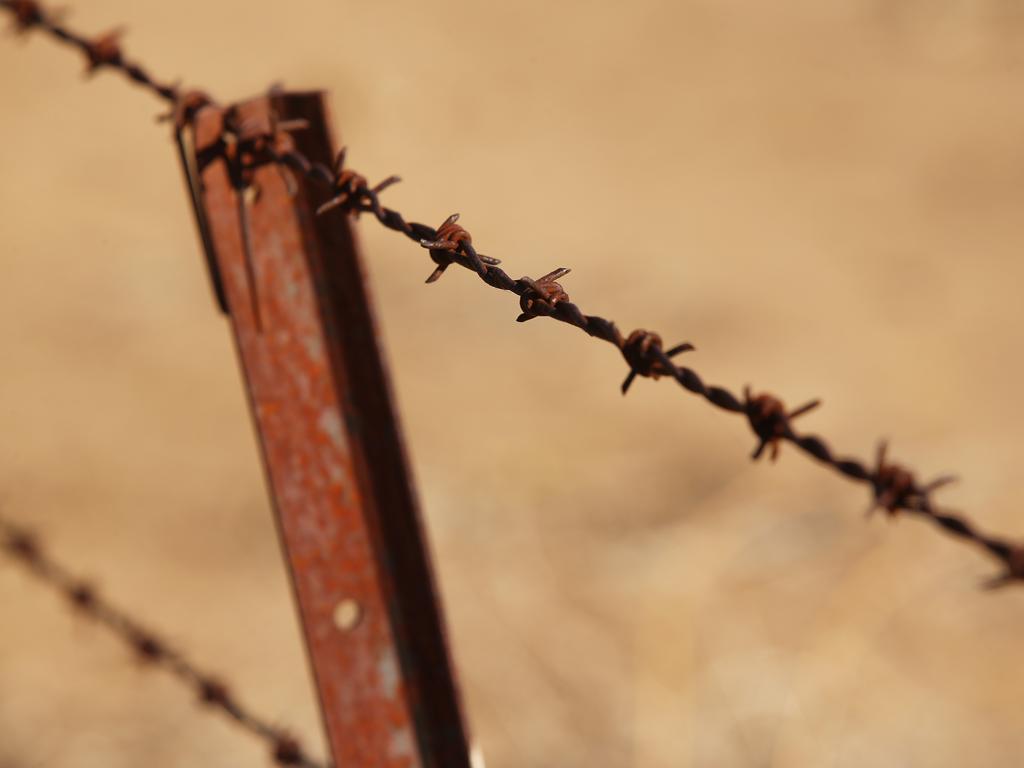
(824, 197)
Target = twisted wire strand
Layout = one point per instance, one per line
(26, 549)
(102, 51)
(893, 487)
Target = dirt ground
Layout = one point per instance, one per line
(824, 197)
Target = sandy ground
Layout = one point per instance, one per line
(824, 197)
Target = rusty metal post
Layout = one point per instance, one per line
(332, 451)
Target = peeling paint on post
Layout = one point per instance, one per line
(333, 456)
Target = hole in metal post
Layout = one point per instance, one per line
(347, 614)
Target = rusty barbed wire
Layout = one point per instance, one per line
(101, 51)
(893, 487)
(25, 548)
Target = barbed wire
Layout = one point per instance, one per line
(25, 548)
(893, 487)
(102, 51)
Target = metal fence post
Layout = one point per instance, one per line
(332, 451)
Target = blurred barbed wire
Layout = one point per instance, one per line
(26, 549)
